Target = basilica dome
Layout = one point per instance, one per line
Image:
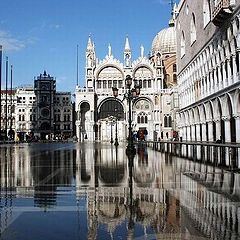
(165, 40)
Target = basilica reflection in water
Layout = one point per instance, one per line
(158, 196)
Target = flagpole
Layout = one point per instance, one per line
(77, 66)
(6, 111)
(11, 100)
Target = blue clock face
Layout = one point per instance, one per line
(45, 112)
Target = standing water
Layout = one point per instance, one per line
(94, 191)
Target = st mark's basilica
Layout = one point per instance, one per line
(100, 115)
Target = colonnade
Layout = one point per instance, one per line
(215, 68)
(209, 91)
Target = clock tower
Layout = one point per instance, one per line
(45, 90)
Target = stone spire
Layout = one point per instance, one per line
(89, 45)
(142, 51)
(127, 53)
(90, 58)
(127, 45)
(109, 50)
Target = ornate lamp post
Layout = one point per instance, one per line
(130, 95)
(110, 122)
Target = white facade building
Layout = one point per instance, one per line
(38, 111)
(8, 103)
(208, 70)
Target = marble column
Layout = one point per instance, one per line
(188, 149)
(188, 133)
(234, 68)
(210, 139)
(198, 139)
(210, 131)
(224, 77)
(218, 128)
(193, 137)
(218, 134)
(237, 122)
(219, 77)
(227, 138)
(216, 85)
(184, 133)
(198, 132)
(227, 128)
(204, 134)
(229, 72)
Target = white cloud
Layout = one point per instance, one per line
(10, 43)
(55, 26)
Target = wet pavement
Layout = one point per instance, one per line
(94, 191)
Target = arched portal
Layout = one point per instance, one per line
(110, 120)
(111, 107)
(84, 108)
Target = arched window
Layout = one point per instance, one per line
(138, 119)
(174, 78)
(144, 83)
(169, 121)
(146, 119)
(142, 118)
(182, 44)
(206, 12)
(165, 121)
(149, 83)
(193, 29)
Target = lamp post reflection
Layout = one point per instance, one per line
(130, 166)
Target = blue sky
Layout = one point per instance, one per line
(43, 35)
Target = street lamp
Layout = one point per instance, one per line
(110, 121)
(54, 130)
(130, 95)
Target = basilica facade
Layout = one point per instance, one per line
(102, 117)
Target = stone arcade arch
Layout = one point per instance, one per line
(230, 123)
(110, 118)
(211, 124)
(143, 114)
(83, 109)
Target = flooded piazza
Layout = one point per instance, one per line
(94, 191)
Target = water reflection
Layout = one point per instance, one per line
(95, 192)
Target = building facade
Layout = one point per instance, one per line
(7, 120)
(100, 116)
(208, 70)
(38, 111)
